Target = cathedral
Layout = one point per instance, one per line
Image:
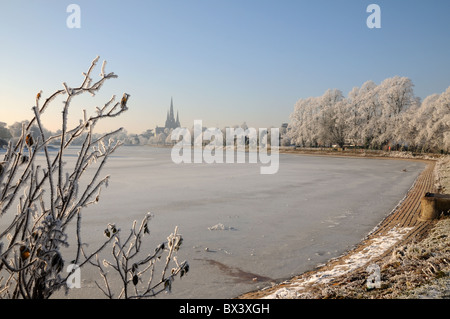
(171, 122)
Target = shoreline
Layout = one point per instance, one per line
(346, 276)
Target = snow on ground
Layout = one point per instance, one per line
(442, 174)
(438, 242)
(354, 261)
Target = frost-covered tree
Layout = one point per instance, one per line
(50, 197)
(303, 128)
(373, 116)
(423, 120)
(441, 130)
(319, 121)
(333, 118)
(16, 129)
(432, 123)
(4, 132)
(406, 131)
(396, 96)
(364, 111)
(168, 140)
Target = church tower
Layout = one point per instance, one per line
(171, 123)
(177, 123)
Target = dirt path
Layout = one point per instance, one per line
(400, 227)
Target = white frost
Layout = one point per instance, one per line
(354, 261)
(220, 226)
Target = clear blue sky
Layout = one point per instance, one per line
(222, 61)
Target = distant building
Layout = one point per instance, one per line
(171, 122)
(284, 128)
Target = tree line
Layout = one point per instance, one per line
(14, 131)
(373, 116)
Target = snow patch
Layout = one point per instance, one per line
(354, 261)
(221, 226)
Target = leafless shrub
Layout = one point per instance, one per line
(132, 269)
(50, 197)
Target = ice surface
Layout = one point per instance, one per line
(268, 227)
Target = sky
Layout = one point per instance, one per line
(224, 62)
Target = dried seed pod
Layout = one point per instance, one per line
(184, 269)
(168, 285)
(29, 140)
(123, 102)
(135, 280)
(146, 230)
(24, 252)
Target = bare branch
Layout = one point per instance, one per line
(32, 261)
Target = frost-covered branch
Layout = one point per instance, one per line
(131, 269)
(49, 197)
(30, 256)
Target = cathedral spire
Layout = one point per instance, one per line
(167, 120)
(172, 118)
(171, 123)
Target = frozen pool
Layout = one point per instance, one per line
(243, 230)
